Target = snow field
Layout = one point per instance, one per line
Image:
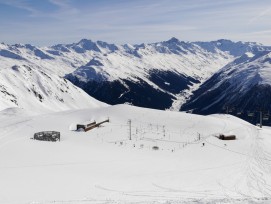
(104, 166)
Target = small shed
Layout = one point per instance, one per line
(90, 125)
(85, 125)
(47, 136)
(227, 137)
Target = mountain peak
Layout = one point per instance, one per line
(173, 40)
(225, 41)
(86, 44)
(84, 40)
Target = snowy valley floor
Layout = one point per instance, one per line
(104, 166)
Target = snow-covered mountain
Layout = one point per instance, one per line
(243, 86)
(235, 49)
(157, 75)
(32, 86)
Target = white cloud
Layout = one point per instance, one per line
(138, 21)
(21, 4)
(265, 12)
(65, 7)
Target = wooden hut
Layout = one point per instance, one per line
(90, 125)
(85, 125)
(227, 137)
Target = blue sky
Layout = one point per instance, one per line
(47, 22)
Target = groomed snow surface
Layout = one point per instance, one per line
(104, 166)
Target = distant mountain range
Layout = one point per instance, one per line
(158, 75)
(203, 77)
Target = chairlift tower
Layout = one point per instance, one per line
(261, 119)
(229, 109)
(263, 116)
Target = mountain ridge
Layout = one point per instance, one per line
(169, 70)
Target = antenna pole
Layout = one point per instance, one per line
(261, 119)
(130, 129)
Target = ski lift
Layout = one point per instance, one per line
(250, 114)
(266, 116)
(238, 112)
(228, 109)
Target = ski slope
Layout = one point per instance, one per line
(104, 166)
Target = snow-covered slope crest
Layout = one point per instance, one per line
(244, 84)
(31, 88)
(172, 157)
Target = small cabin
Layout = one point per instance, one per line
(47, 136)
(226, 137)
(90, 125)
(85, 125)
(155, 148)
